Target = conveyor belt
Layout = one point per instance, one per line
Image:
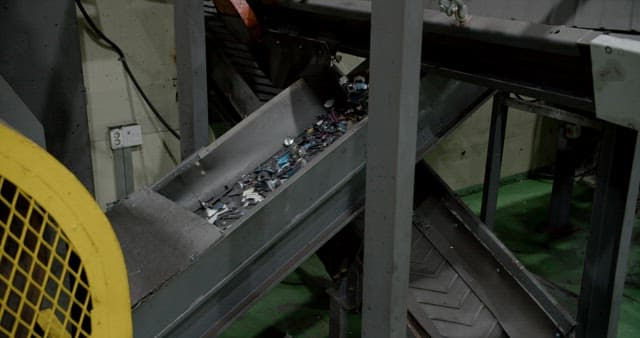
(189, 278)
(465, 280)
(448, 300)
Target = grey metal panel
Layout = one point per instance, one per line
(192, 75)
(40, 59)
(159, 238)
(18, 115)
(240, 95)
(606, 14)
(432, 127)
(396, 41)
(620, 15)
(499, 29)
(552, 12)
(243, 148)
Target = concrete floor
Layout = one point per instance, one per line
(298, 307)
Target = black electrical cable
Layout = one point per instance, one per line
(122, 59)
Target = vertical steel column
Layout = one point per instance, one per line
(192, 75)
(338, 316)
(494, 160)
(396, 39)
(612, 222)
(565, 170)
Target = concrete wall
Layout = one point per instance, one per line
(144, 31)
(460, 157)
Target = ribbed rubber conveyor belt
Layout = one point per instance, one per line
(189, 278)
(464, 282)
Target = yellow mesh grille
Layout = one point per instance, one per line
(44, 290)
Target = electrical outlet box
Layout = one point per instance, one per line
(125, 136)
(615, 65)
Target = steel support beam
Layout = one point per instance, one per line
(192, 75)
(543, 109)
(565, 170)
(396, 39)
(612, 222)
(508, 55)
(494, 160)
(338, 315)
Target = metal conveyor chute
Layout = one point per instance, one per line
(190, 278)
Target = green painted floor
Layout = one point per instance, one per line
(298, 307)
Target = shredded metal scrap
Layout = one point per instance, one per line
(296, 152)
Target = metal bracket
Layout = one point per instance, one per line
(616, 79)
(456, 8)
(123, 139)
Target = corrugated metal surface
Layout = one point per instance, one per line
(613, 15)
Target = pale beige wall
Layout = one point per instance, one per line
(460, 157)
(144, 30)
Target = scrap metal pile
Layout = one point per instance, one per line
(296, 152)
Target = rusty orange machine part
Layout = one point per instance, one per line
(241, 9)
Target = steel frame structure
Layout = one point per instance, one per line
(547, 62)
(615, 195)
(527, 59)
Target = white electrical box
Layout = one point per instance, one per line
(125, 136)
(616, 79)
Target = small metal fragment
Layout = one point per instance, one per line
(288, 141)
(360, 86)
(253, 187)
(329, 103)
(213, 213)
(251, 197)
(283, 160)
